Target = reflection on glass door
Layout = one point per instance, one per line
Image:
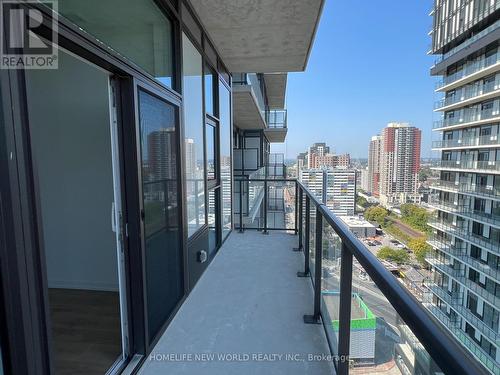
(162, 229)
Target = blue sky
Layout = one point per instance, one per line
(368, 67)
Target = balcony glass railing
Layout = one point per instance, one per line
(276, 119)
(487, 191)
(468, 42)
(492, 244)
(485, 140)
(469, 69)
(473, 165)
(467, 117)
(351, 310)
(463, 210)
(469, 92)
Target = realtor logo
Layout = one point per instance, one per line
(22, 45)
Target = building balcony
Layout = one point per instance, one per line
(276, 130)
(470, 72)
(248, 101)
(445, 246)
(467, 119)
(469, 95)
(466, 212)
(473, 166)
(465, 234)
(468, 342)
(487, 141)
(246, 313)
(483, 191)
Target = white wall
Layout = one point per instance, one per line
(69, 120)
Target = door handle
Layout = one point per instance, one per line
(113, 217)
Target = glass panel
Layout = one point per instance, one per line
(213, 207)
(193, 132)
(136, 29)
(69, 118)
(209, 91)
(330, 284)
(164, 265)
(312, 238)
(211, 139)
(281, 205)
(225, 134)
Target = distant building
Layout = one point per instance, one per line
(374, 154)
(301, 161)
(335, 187)
(317, 150)
(359, 226)
(364, 179)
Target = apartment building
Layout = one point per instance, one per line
(374, 163)
(399, 164)
(465, 259)
(117, 167)
(334, 186)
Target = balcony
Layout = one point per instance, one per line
(466, 119)
(470, 72)
(276, 125)
(469, 95)
(472, 166)
(466, 212)
(492, 244)
(246, 314)
(248, 101)
(486, 141)
(486, 191)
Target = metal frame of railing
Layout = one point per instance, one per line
(441, 345)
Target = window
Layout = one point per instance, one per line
(209, 91)
(137, 29)
(211, 142)
(193, 133)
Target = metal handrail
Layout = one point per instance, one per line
(442, 346)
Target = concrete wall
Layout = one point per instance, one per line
(69, 120)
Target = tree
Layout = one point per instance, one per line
(377, 214)
(415, 216)
(398, 256)
(420, 248)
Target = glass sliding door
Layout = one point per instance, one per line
(73, 134)
(162, 226)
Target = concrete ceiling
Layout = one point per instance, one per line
(276, 135)
(275, 88)
(264, 36)
(246, 112)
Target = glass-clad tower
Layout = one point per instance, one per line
(465, 260)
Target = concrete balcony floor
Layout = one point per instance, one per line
(248, 302)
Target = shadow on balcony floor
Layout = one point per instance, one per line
(249, 302)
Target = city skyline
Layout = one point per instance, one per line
(329, 111)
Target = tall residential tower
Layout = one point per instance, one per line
(466, 241)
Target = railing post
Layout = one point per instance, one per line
(345, 310)
(316, 317)
(298, 222)
(296, 206)
(265, 207)
(241, 206)
(307, 229)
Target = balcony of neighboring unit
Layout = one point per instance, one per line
(460, 253)
(483, 191)
(466, 212)
(473, 166)
(469, 94)
(251, 303)
(248, 101)
(467, 118)
(276, 125)
(470, 72)
(491, 244)
(485, 141)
